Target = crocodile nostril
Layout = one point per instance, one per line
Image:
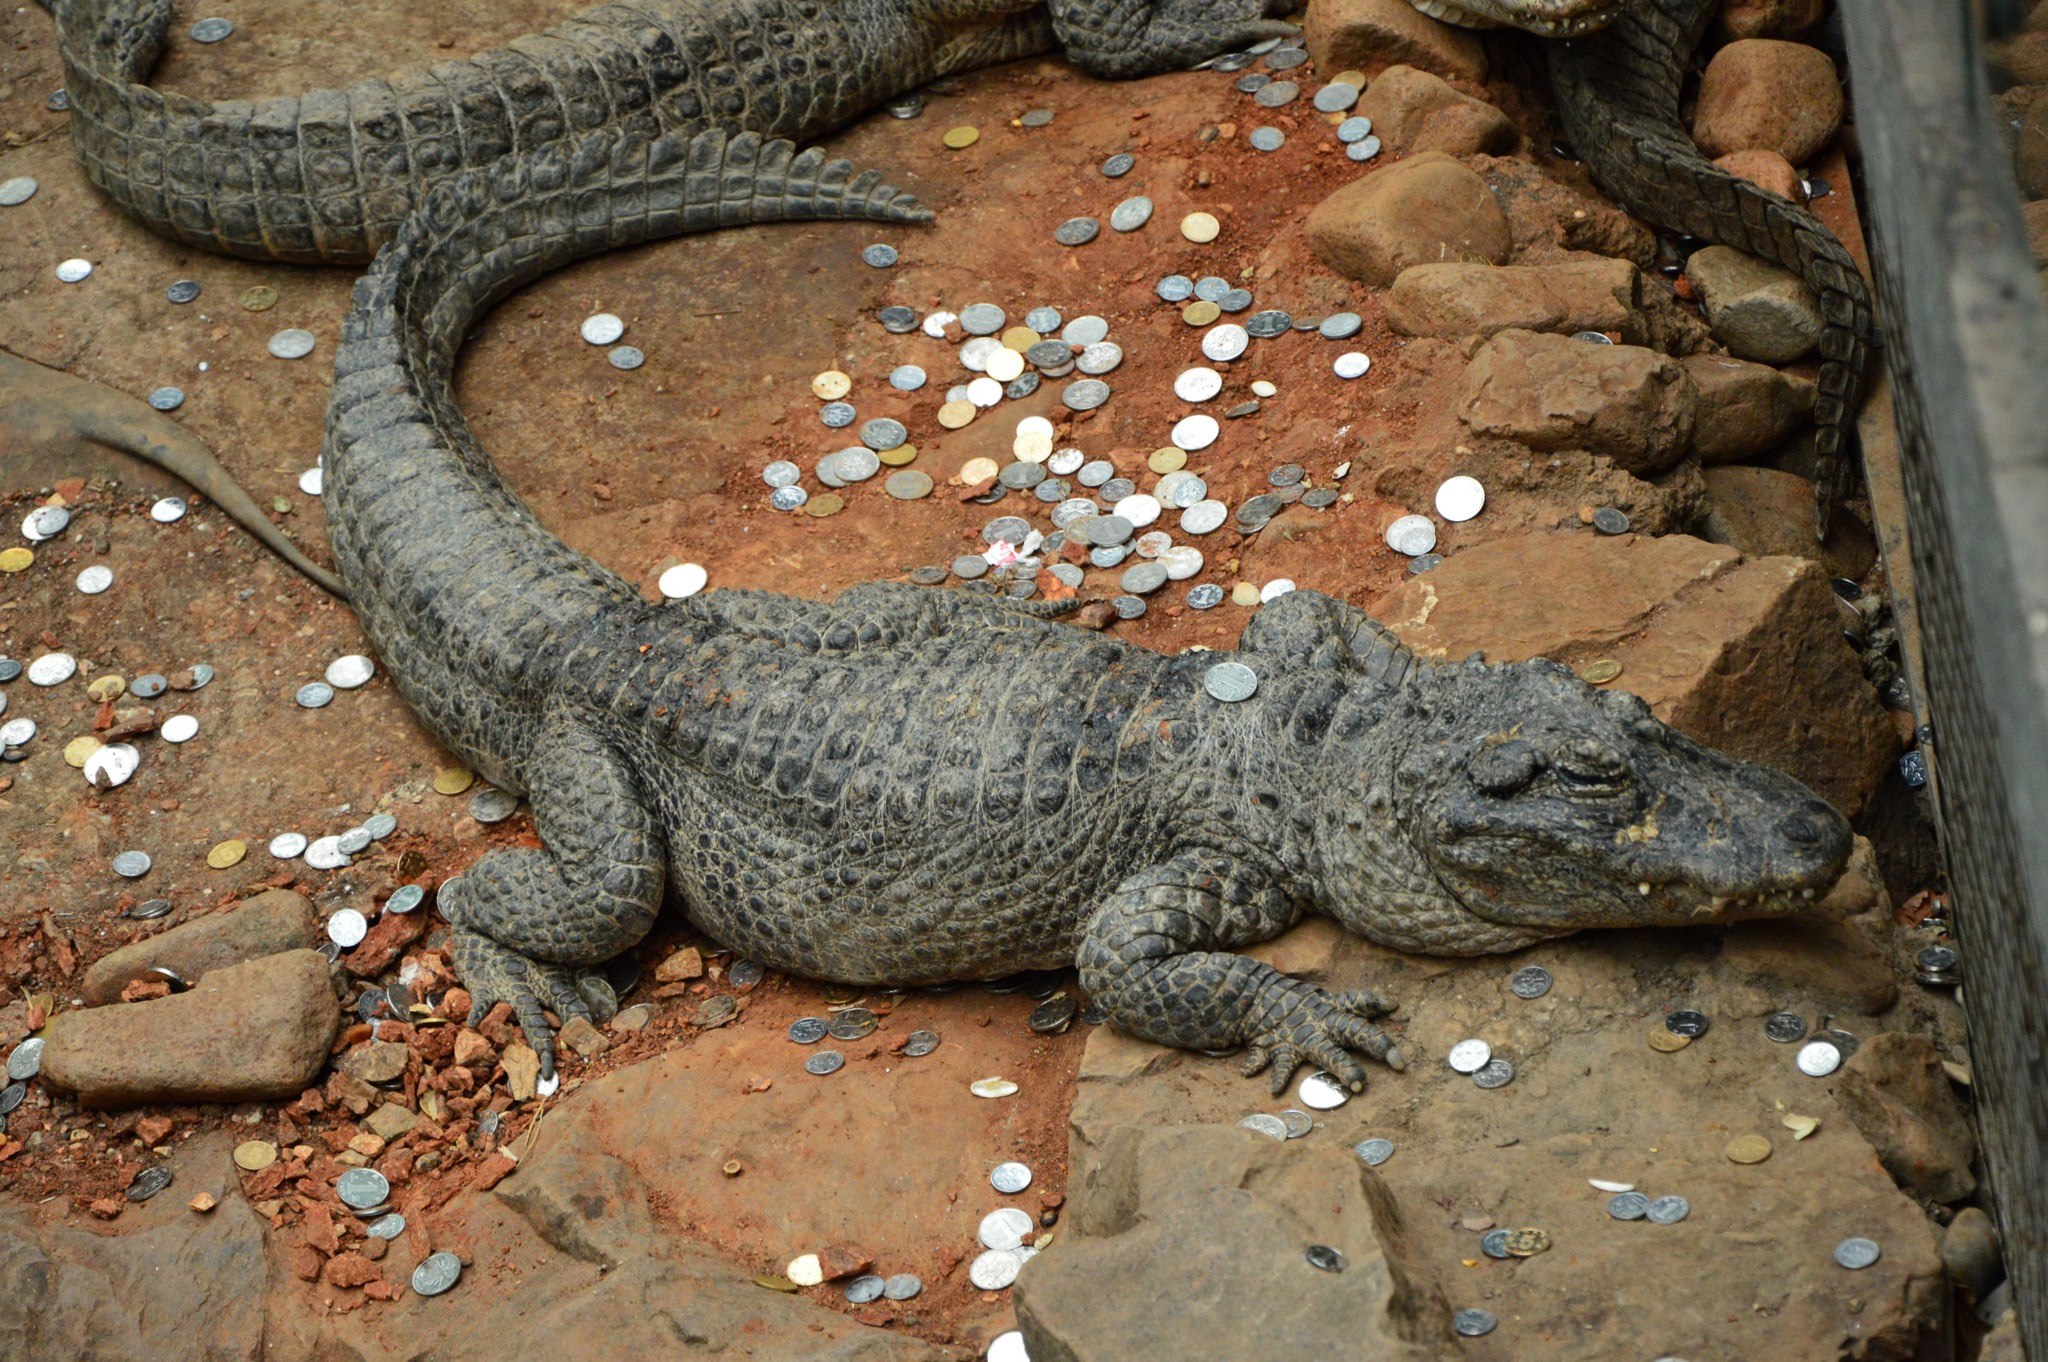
(1802, 829)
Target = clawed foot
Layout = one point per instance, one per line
(1307, 1025)
(496, 974)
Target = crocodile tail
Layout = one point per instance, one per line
(1617, 96)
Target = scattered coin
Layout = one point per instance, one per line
(253, 1156)
(1600, 672)
(211, 30)
(1474, 1323)
(350, 671)
(1324, 1257)
(346, 929)
(1200, 228)
(1785, 1027)
(902, 1286)
(95, 579)
(1531, 981)
(16, 559)
(183, 291)
(1230, 682)
(682, 581)
(1077, 231)
(148, 1182)
(1364, 149)
(436, 1273)
(1667, 1042)
(1052, 1017)
(1004, 1228)
(1495, 1073)
(864, 1289)
(405, 899)
(994, 1270)
(386, 1227)
(132, 865)
(74, 271)
(1629, 1206)
(1610, 520)
(1375, 1151)
(166, 399)
(453, 780)
(361, 1188)
(1494, 1244)
(25, 1061)
(228, 853)
(492, 805)
(260, 298)
(44, 522)
(626, 357)
(1527, 1243)
(1131, 214)
(1748, 1149)
(1336, 98)
(825, 1062)
(1818, 1059)
(1009, 1178)
(292, 343)
(1470, 1056)
(1340, 326)
(1857, 1253)
(1686, 1022)
(1668, 1210)
(992, 1087)
(1322, 1092)
(18, 190)
(881, 255)
(1412, 535)
(918, 1044)
(11, 1096)
(1266, 139)
(148, 910)
(853, 1024)
(314, 695)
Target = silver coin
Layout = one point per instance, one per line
(1085, 330)
(148, 1183)
(825, 1062)
(1226, 342)
(626, 357)
(881, 433)
(1298, 1122)
(866, 1288)
(1611, 520)
(1531, 981)
(436, 1273)
(1100, 357)
(837, 415)
(1785, 1027)
(1009, 1178)
(11, 1097)
(897, 320)
(1364, 149)
(1211, 287)
(1593, 337)
(881, 255)
(1474, 1323)
(1412, 535)
(183, 291)
(902, 1286)
(906, 378)
(324, 853)
(1668, 1210)
(1855, 1253)
(387, 1226)
(1351, 364)
(781, 473)
(491, 806)
(1197, 432)
(149, 686)
(1321, 1090)
(58, 101)
(95, 579)
(1336, 98)
(1181, 562)
(602, 329)
(969, 566)
(1230, 682)
(360, 1188)
(314, 695)
(166, 399)
(1686, 1022)
(1324, 1257)
(1340, 325)
(1085, 394)
(132, 865)
(44, 522)
(1204, 516)
(352, 841)
(1494, 1244)
(166, 510)
(292, 343)
(1131, 214)
(347, 927)
(918, 1044)
(1116, 167)
(211, 30)
(1198, 384)
(1036, 118)
(405, 899)
(982, 319)
(18, 190)
(1077, 231)
(1277, 94)
(807, 1030)
(788, 498)
(179, 728)
(149, 909)
(1354, 129)
(1175, 288)
(994, 1270)
(1818, 1059)
(1266, 139)
(380, 825)
(1375, 1151)
(1495, 1073)
(350, 671)
(1470, 1056)
(853, 1024)
(1005, 1228)
(26, 1059)
(1182, 489)
(74, 271)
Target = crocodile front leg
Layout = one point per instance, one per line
(1150, 956)
(529, 921)
(1122, 39)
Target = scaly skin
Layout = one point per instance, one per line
(1617, 97)
(908, 786)
(326, 177)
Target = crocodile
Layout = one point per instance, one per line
(908, 785)
(1617, 68)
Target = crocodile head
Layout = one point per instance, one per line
(1542, 803)
(1545, 18)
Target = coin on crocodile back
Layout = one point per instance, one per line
(436, 1273)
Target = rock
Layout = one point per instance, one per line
(590, 1206)
(1894, 1089)
(1215, 1218)
(1415, 111)
(1551, 392)
(2021, 59)
(1456, 300)
(273, 921)
(839, 1261)
(1745, 409)
(1768, 94)
(2030, 151)
(1764, 513)
(1371, 35)
(375, 1062)
(581, 1035)
(1745, 655)
(1823, 962)
(1551, 219)
(493, 1170)
(684, 965)
(473, 1049)
(349, 1269)
(391, 1120)
(1428, 208)
(386, 940)
(245, 1033)
(2036, 217)
(1767, 170)
(1759, 310)
(1767, 18)
(1969, 1250)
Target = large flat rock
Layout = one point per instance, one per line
(272, 922)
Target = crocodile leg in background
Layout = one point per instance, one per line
(1617, 97)
(39, 404)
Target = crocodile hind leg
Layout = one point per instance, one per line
(1120, 39)
(1149, 955)
(529, 921)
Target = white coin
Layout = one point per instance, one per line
(1195, 432)
(179, 728)
(52, 668)
(1470, 1056)
(1351, 364)
(1275, 589)
(1204, 516)
(1004, 1228)
(1008, 1348)
(1460, 498)
(1226, 342)
(984, 392)
(44, 522)
(311, 481)
(1035, 425)
(1412, 535)
(350, 671)
(347, 928)
(168, 509)
(1181, 562)
(1004, 364)
(994, 1270)
(1198, 384)
(1138, 508)
(1321, 1092)
(975, 354)
(95, 579)
(288, 846)
(1033, 443)
(935, 323)
(683, 581)
(1010, 1178)
(71, 271)
(112, 764)
(15, 732)
(292, 343)
(1818, 1059)
(325, 853)
(1066, 461)
(602, 328)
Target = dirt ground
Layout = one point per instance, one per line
(641, 470)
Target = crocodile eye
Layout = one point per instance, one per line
(1504, 769)
(1588, 764)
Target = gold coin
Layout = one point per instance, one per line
(831, 385)
(16, 559)
(829, 504)
(1170, 459)
(253, 1156)
(956, 414)
(453, 780)
(1355, 79)
(262, 298)
(1527, 1243)
(1201, 312)
(897, 457)
(962, 136)
(1020, 339)
(281, 505)
(1244, 593)
(1662, 1039)
(79, 750)
(1601, 672)
(104, 688)
(1200, 227)
(977, 470)
(227, 853)
(1748, 1149)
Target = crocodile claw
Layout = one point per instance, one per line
(496, 974)
(1307, 1025)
